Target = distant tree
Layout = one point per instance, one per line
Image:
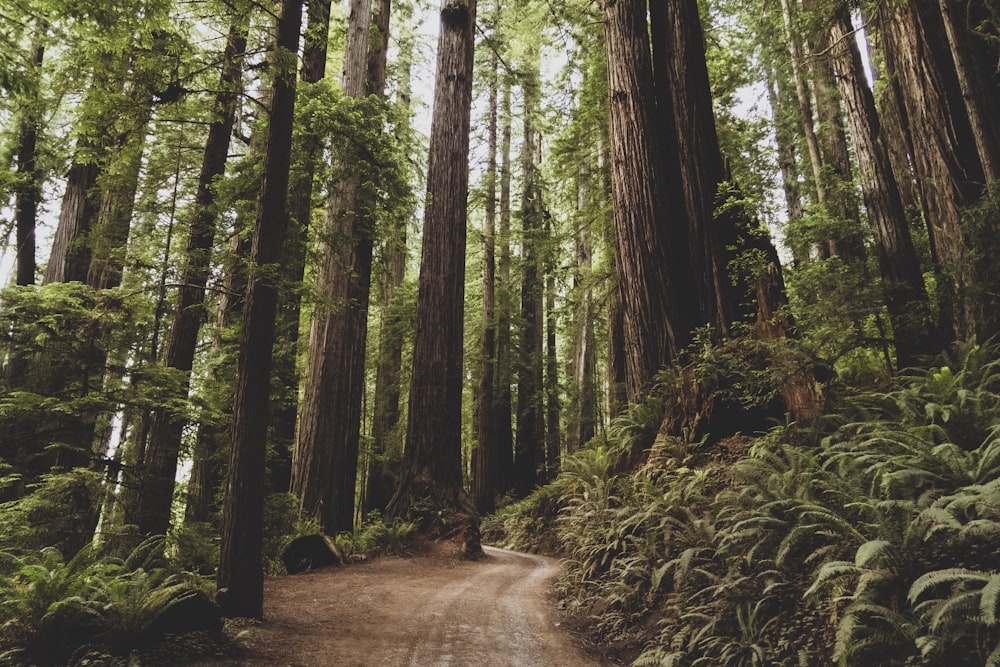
(487, 473)
(529, 447)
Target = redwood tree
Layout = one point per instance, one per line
(431, 475)
(240, 575)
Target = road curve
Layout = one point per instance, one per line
(417, 612)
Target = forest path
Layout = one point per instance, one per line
(427, 611)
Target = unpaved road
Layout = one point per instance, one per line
(427, 611)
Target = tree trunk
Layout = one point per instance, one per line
(285, 396)
(945, 158)
(617, 395)
(29, 187)
(529, 452)
(681, 73)
(902, 281)
(160, 459)
(487, 460)
(805, 102)
(785, 139)
(504, 378)
(325, 469)
(431, 476)
(240, 575)
(583, 417)
(118, 185)
(841, 204)
(974, 81)
(70, 256)
(553, 432)
(657, 316)
(211, 447)
(386, 448)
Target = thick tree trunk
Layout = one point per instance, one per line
(657, 317)
(944, 152)
(902, 281)
(160, 457)
(118, 186)
(681, 73)
(240, 575)
(841, 204)
(325, 469)
(777, 94)
(974, 83)
(529, 452)
(431, 476)
(69, 258)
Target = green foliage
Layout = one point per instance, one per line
(377, 537)
(50, 606)
(59, 511)
(873, 544)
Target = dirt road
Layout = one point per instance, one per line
(430, 611)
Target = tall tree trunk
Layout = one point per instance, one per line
(529, 448)
(902, 281)
(804, 100)
(69, 258)
(325, 469)
(211, 449)
(651, 257)
(29, 187)
(487, 460)
(945, 158)
(240, 575)
(617, 382)
(431, 476)
(842, 204)
(553, 432)
(681, 73)
(504, 375)
(160, 457)
(118, 185)
(387, 450)
(583, 418)
(285, 396)
(777, 94)
(974, 82)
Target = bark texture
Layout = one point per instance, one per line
(240, 575)
(325, 469)
(487, 459)
(902, 281)
(431, 476)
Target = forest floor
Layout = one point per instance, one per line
(431, 610)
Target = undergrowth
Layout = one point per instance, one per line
(54, 610)
(869, 540)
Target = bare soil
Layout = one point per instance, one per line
(432, 610)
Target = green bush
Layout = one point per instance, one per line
(872, 542)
